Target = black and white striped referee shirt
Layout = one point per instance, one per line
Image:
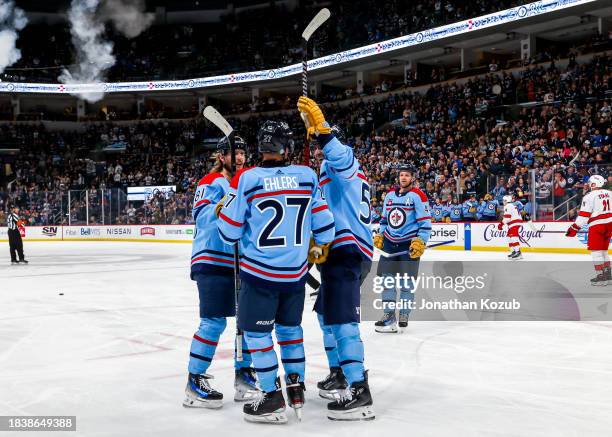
(11, 221)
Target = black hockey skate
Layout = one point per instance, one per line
(268, 408)
(600, 280)
(388, 323)
(333, 384)
(295, 393)
(199, 393)
(245, 385)
(403, 321)
(515, 255)
(355, 403)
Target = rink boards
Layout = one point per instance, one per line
(535, 237)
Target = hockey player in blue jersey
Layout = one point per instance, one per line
(469, 208)
(273, 210)
(487, 210)
(347, 192)
(404, 230)
(212, 267)
(455, 211)
(439, 211)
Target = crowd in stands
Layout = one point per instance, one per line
(249, 40)
(468, 152)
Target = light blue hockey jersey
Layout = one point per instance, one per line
(347, 192)
(209, 253)
(406, 216)
(455, 212)
(440, 212)
(273, 210)
(488, 210)
(466, 208)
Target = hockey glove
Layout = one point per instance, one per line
(417, 247)
(447, 219)
(572, 230)
(317, 253)
(500, 226)
(378, 241)
(219, 205)
(313, 117)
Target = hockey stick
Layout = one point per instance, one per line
(405, 252)
(212, 115)
(560, 232)
(533, 228)
(314, 24)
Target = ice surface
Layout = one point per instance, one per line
(113, 351)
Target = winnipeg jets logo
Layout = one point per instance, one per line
(397, 218)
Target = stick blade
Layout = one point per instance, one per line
(212, 115)
(315, 23)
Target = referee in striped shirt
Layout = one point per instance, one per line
(15, 241)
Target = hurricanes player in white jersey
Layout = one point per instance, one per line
(596, 211)
(512, 219)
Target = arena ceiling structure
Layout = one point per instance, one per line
(53, 6)
(455, 52)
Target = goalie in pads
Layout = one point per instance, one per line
(597, 213)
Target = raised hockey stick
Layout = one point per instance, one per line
(314, 24)
(212, 115)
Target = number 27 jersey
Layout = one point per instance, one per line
(272, 211)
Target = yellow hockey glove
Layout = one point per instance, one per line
(417, 247)
(219, 205)
(313, 117)
(378, 241)
(317, 253)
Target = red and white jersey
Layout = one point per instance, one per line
(512, 217)
(596, 208)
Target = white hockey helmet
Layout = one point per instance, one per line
(507, 199)
(596, 181)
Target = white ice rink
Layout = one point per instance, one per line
(113, 349)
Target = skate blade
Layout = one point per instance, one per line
(190, 402)
(331, 395)
(361, 413)
(276, 418)
(245, 396)
(386, 329)
(600, 284)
